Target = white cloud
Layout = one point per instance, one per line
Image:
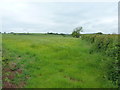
(22, 15)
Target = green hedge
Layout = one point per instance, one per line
(109, 45)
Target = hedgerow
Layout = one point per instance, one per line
(108, 45)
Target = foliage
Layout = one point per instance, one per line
(76, 32)
(109, 46)
(100, 33)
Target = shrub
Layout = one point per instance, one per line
(110, 46)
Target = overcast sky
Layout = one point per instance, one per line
(59, 17)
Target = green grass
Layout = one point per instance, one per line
(0, 60)
(53, 61)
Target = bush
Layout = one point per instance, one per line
(109, 46)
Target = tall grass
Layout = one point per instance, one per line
(109, 45)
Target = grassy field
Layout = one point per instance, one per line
(52, 61)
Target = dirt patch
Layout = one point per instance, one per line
(8, 75)
(9, 85)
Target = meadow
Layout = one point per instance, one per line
(52, 61)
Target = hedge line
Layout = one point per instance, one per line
(109, 45)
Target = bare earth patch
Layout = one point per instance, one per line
(8, 75)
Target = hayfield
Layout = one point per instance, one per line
(52, 61)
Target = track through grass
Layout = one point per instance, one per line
(50, 61)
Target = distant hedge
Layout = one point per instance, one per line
(109, 45)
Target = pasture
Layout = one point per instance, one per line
(52, 61)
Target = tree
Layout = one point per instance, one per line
(100, 33)
(76, 32)
(12, 32)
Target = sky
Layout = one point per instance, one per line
(59, 17)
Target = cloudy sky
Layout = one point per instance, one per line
(60, 17)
